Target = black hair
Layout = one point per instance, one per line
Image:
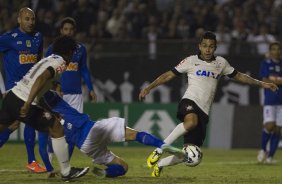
(67, 20)
(208, 35)
(274, 43)
(63, 45)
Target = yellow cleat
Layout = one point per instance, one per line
(157, 171)
(153, 158)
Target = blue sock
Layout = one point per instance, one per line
(115, 170)
(264, 139)
(29, 140)
(274, 140)
(148, 139)
(4, 136)
(42, 144)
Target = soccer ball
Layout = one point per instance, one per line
(193, 155)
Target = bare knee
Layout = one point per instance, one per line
(56, 130)
(190, 121)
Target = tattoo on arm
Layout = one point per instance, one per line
(244, 78)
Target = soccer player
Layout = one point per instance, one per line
(22, 47)
(70, 81)
(92, 137)
(21, 103)
(203, 72)
(271, 71)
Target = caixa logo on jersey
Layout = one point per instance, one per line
(206, 73)
(61, 68)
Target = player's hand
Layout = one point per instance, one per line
(24, 110)
(273, 87)
(93, 96)
(143, 93)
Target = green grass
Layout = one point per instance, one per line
(218, 166)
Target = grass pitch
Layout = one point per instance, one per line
(218, 166)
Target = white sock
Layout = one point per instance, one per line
(60, 148)
(170, 160)
(177, 132)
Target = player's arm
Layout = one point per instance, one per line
(36, 88)
(244, 78)
(165, 77)
(86, 76)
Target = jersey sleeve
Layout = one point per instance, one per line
(4, 43)
(182, 67)
(58, 65)
(227, 69)
(84, 70)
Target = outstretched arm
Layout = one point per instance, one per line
(244, 78)
(165, 77)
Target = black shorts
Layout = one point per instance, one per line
(37, 117)
(197, 135)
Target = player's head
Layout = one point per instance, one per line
(68, 26)
(64, 46)
(26, 20)
(275, 50)
(207, 45)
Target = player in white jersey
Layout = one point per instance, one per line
(203, 72)
(21, 103)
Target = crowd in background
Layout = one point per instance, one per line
(240, 20)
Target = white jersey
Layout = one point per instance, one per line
(23, 87)
(203, 78)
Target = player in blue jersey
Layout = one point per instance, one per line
(271, 71)
(93, 137)
(22, 47)
(71, 79)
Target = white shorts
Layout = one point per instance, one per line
(272, 113)
(101, 134)
(75, 101)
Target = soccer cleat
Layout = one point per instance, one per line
(172, 150)
(36, 167)
(270, 161)
(99, 173)
(261, 156)
(153, 158)
(75, 173)
(157, 171)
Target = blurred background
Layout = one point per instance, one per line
(131, 42)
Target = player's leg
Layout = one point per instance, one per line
(60, 147)
(29, 139)
(165, 162)
(275, 137)
(188, 115)
(268, 128)
(42, 144)
(5, 135)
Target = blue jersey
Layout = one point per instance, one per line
(268, 69)
(21, 50)
(71, 78)
(77, 125)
